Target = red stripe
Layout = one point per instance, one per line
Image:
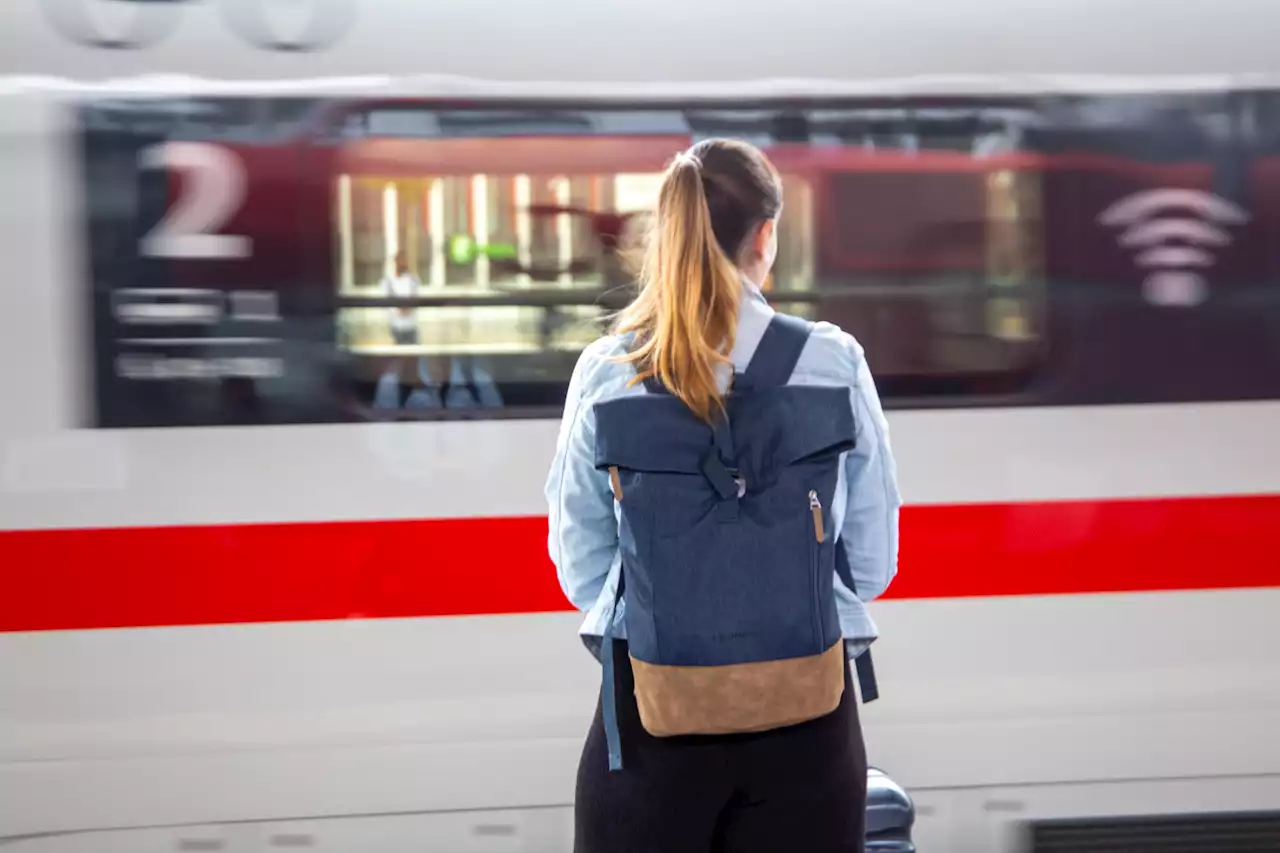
(130, 577)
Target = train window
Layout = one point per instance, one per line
(519, 270)
(331, 261)
(940, 277)
(924, 244)
(478, 237)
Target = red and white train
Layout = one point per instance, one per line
(271, 579)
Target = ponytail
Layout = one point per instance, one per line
(686, 315)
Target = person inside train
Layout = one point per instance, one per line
(399, 282)
(468, 382)
(402, 283)
(736, 463)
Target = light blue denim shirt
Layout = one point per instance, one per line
(583, 541)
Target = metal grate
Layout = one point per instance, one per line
(1208, 833)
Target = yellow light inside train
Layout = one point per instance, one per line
(390, 227)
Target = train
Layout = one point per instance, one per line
(272, 576)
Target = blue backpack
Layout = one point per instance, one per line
(728, 559)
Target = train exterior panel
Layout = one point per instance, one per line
(267, 574)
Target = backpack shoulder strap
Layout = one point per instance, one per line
(779, 350)
(862, 663)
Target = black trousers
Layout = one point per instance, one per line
(798, 788)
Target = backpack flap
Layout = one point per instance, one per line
(657, 436)
(651, 433)
(791, 425)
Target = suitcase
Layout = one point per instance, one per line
(890, 815)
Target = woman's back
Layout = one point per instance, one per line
(831, 357)
(723, 503)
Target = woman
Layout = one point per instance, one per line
(697, 322)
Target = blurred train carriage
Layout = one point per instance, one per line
(272, 577)
(930, 230)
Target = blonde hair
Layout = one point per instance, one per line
(685, 318)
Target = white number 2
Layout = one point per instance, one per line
(214, 191)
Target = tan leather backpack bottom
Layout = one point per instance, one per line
(738, 698)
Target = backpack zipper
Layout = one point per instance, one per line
(815, 563)
(815, 506)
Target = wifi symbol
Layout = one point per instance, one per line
(1174, 233)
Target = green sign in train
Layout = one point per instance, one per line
(463, 249)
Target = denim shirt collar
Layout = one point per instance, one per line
(754, 314)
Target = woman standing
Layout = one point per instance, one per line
(667, 769)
